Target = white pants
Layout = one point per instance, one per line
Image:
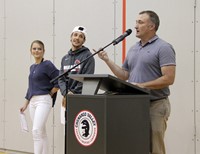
(40, 107)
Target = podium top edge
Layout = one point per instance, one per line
(90, 75)
(83, 77)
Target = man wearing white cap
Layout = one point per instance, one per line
(75, 55)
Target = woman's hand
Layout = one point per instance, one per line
(23, 108)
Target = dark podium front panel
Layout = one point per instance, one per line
(108, 124)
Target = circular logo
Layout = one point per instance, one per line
(85, 128)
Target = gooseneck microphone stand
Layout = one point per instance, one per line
(114, 42)
(69, 70)
(66, 75)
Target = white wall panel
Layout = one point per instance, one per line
(25, 22)
(180, 133)
(99, 24)
(96, 16)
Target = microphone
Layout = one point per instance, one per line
(120, 38)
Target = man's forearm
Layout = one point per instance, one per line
(118, 71)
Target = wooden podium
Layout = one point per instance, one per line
(113, 121)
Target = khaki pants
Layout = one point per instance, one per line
(159, 113)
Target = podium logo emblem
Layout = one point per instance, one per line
(85, 128)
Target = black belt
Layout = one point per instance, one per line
(158, 99)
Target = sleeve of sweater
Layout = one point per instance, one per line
(53, 72)
(62, 82)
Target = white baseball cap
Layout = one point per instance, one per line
(80, 29)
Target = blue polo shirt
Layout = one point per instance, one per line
(144, 63)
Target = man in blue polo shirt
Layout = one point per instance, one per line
(150, 64)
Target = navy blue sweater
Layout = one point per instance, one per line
(40, 77)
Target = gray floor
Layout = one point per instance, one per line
(6, 151)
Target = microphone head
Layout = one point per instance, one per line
(120, 38)
(128, 31)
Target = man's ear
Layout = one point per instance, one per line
(152, 26)
(84, 40)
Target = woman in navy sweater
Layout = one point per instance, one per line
(40, 95)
